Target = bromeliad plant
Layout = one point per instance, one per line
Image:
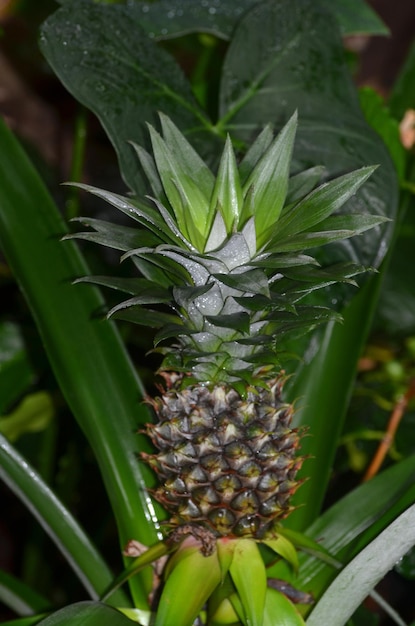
(227, 256)
(238, 247)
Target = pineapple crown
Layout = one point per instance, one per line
(228, 254)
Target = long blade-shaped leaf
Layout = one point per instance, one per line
(88, 358)
(19, 597)
(322, 387)
(362, 574)
(56, 520)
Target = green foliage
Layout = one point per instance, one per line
(278, 58)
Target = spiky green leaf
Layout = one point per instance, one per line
(269, 181)
(227, 193)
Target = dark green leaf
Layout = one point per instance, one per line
(356, 17)
(87, 355)
(285, 56)
(301, 184)
(16, 370)
(56, 520)
(351, 523)
(142, 317)
(378, 116)
(236, 321)
(252, 281)
(140, 286)
(144, 214)
(86, 614)
(396, 311)
(115, 236)
(402, 97)
(19, 597)
(106, 59)
(324, 381)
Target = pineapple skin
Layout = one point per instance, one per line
(225, 462)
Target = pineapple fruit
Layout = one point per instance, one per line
(225, 274)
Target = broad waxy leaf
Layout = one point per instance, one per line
(108, 62)
(165, 19)
(267, 74)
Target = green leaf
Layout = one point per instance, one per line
(148, 557)
(139, 315)
(403, 92)
(287, 56)
(86, 614)
(269, 181)
(227, 193)
(235, 321)
(396, 311)
(187, 588)
(324, 382)
(25, 621)
(352, 522)
(56, 520)
(86, 354)
(321, 203)
(129, 285)
(19, 597)
(249, 576)
(165, 19)
(107, 61)
(303, 183)
(284, 547)
(190, 163)
(16, 369)
(144, 214)
(33, 414)
(353, 584)
(114, 236)
(379, 117)
(356, 17)
(276, 604)
(187, 191)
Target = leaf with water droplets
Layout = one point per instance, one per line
(285, 56)
(108, 62)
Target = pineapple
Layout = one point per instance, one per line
(225, 274)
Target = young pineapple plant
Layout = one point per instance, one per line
(225, 271)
